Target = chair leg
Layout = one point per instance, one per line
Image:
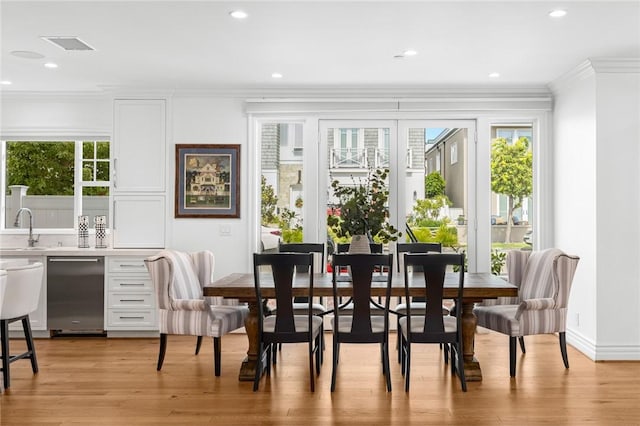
(216, 355)
(446, 352)
(163, 349)
(318, 354)
(521, 340)
(387, 368)
(256, 379)
(460, 359)
(334, 368)
(276, 347)
(512, 355)
(563, 348)
(407, 365)
(31, 350)
(4, 332)
(311, 355)
(198, 344)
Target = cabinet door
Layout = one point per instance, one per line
(138, 221)
(139, 145)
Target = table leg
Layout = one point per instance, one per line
(472, 370)
(248, 368)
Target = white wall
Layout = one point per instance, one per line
(48, 115)
(618, 250)
(208, 120)
(596, 137)
(575, 199)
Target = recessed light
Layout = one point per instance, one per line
(5, 82)
(410, 52)
(558, 13)
(27, 54)
(51, 65)
(494, 75)
(238, 14)
(276, 75)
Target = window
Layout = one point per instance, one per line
(56, 180)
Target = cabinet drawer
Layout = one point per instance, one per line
(145, 318)
(127, 264)
(121, 299)
(131, 283)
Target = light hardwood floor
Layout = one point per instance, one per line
(96, 381)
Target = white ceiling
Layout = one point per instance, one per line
(185, 45)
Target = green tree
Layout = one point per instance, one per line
(46, 167)
(434, 185)
(269, 201)
(511, 174)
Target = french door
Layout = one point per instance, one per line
(411, 150)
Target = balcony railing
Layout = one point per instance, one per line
(358, 158)
(348, 158)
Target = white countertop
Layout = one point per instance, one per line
(75, 251)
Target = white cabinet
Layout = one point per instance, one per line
(138, 221)
(131, 301)
(138, 179)
(38, 318)
(139, 145)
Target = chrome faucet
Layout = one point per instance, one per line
(32, 241)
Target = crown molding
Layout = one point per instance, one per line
(593, 66)
(317, 93)
(615, 65)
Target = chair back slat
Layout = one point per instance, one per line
(361, 268)
(435, 267)
(283, 267)
(304, 248)
(419, 247)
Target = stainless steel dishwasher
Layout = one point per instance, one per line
(75, 294)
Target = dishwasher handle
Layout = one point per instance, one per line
(75, 259)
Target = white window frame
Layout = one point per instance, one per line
(79, 184)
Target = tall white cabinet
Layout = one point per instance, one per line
(138, 181)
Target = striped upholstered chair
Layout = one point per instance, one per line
(182, 309)
(542, 303)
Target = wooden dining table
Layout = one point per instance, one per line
(477, 286)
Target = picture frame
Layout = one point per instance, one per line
(207, 181)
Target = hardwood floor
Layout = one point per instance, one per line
(97, 381)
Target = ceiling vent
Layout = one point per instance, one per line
(68, 43)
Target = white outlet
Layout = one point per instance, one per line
(224, 230)
(576, 319)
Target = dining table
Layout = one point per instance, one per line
(477, 286)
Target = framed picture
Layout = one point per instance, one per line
(207, 181)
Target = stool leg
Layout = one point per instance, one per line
(26, 326)
(4, 338)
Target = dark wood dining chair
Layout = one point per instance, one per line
(285, 326)
(418, 304)
(432, 326)
(359, 325)
(301, 303)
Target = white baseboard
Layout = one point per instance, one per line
(601, 352)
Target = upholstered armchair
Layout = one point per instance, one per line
(544, 278)
(182, 309)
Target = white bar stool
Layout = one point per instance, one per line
(22, 292)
